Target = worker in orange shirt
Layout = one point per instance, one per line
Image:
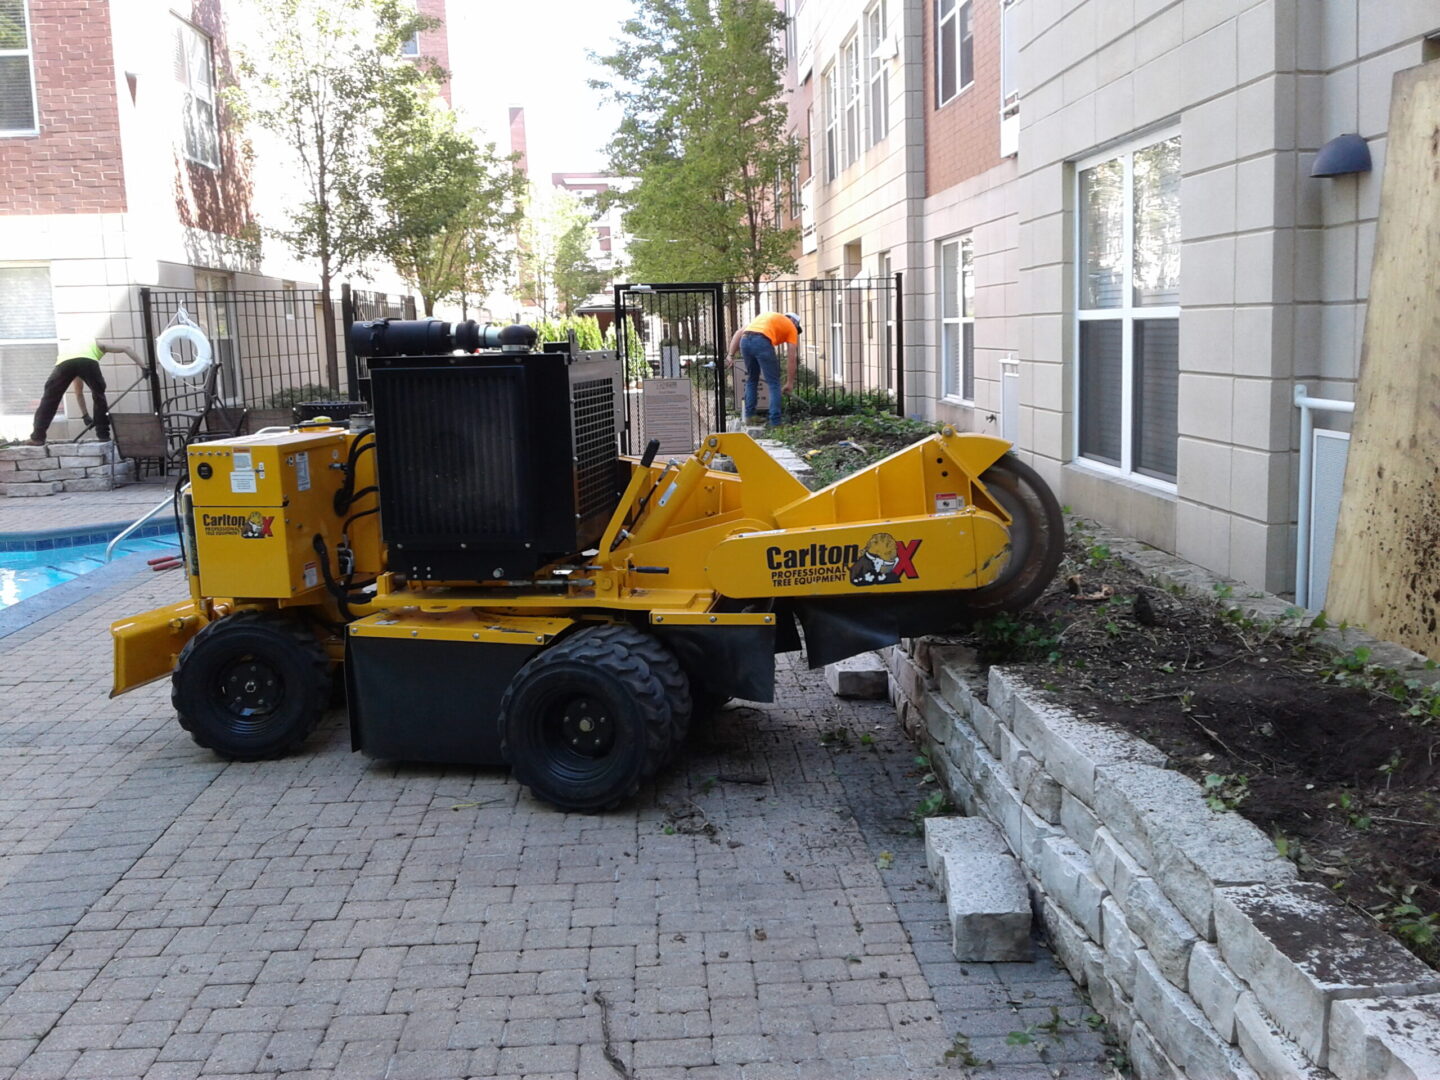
(757, 344)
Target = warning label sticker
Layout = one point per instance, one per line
(312, 575)
(948, 502)
(242, 482)
(242, 460)
(302, 472)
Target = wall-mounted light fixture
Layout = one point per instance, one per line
(1341, 156)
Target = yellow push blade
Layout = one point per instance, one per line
(147, 645)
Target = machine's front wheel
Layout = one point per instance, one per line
(586, 722)
(1037, 538)
(252, 685)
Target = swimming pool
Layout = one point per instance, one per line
(30, 563)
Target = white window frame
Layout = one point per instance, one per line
(851, 101)
(54, 339)
(1127, 313)
(877, 75)
(836, 319)
(831, 92)
(29, 53)
(952, 386)
(189, 34)
(947, 33)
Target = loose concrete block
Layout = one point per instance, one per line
(932, 656)
(1121, 945)
(1068, 939)
(1396, 1040)
(989, 907)
(1117, 870)
(1180, 1028)
(1078, 820)
(90, 483)
(1161, 818)
(1158, 923)
(860, 676)
(951, 838)
(22, 453)
(1269, 1052)
(1300, 950)
(1069, 878)
(23, 491)
(1214, 988)
(1071, 749)
(1147, 1059)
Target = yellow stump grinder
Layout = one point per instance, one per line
(496, 584)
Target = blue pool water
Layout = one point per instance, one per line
(32, 563)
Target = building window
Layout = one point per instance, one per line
(850, 99)
(1128, 309)
(27, 336)
(17, 71)
(789, 33)
(954, 49)
(877, 73)
(411, 45)
(832, 124)
(1009, 80)
(837, 328)
(957, 318)
(887, 340)
(195, 72)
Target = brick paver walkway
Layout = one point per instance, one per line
(762, 912)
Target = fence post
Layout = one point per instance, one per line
(352, 367)
(899, 345)
(147, 324)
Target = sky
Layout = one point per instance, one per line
(533, 53)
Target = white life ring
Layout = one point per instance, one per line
(196, 337)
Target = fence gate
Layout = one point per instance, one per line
(671, 340)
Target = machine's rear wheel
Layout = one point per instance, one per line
(252, 685)
(1037, 538)
(585, 722)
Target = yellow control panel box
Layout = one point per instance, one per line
(259, 501)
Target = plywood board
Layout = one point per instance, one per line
(1385, 574)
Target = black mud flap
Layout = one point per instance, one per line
(731, 661)
(842, 627)
(435, 701)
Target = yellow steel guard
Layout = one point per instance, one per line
(903, 555)
(147, 645)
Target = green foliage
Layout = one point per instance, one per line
(1226, 791)
(705, 132)
(294, 395)
(636, 366)
(1017, 637)
(961, 1054)
(555, 271)
(586, 328)
(1353, 810)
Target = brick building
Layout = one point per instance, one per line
(120, 167)
(1115, 254)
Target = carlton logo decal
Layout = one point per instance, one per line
(252, 526)
(882, 561)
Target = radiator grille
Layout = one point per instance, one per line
(593, 410)
(452, 462)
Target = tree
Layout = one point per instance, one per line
(324, 78)
(704, 132)
(447, 205)
(555, 270)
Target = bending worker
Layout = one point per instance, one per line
(78, 361)
(757, 344)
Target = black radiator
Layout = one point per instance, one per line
(493, 465)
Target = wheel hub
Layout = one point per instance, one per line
(250, 687)
(586, 727)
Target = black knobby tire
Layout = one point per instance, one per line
(251, 686)
(588, 720)
(1037, 538)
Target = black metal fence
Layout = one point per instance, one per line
(851, 345)
(267, 345)
(849, 356)
(359, 305)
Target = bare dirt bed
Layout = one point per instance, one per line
(1337, 760)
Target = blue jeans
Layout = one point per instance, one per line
(760, 359)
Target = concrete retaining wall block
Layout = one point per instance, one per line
(1078, 820)
(1214, 988)
(1300, 950)
(1181, 1029)
(1069, 877)
(1397, 1040)
(1113, 863)
(1121, 945)
(1147, 1059)
(1037, 789)
(1077, 952)
(1164, 930)
(1270, 1054)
